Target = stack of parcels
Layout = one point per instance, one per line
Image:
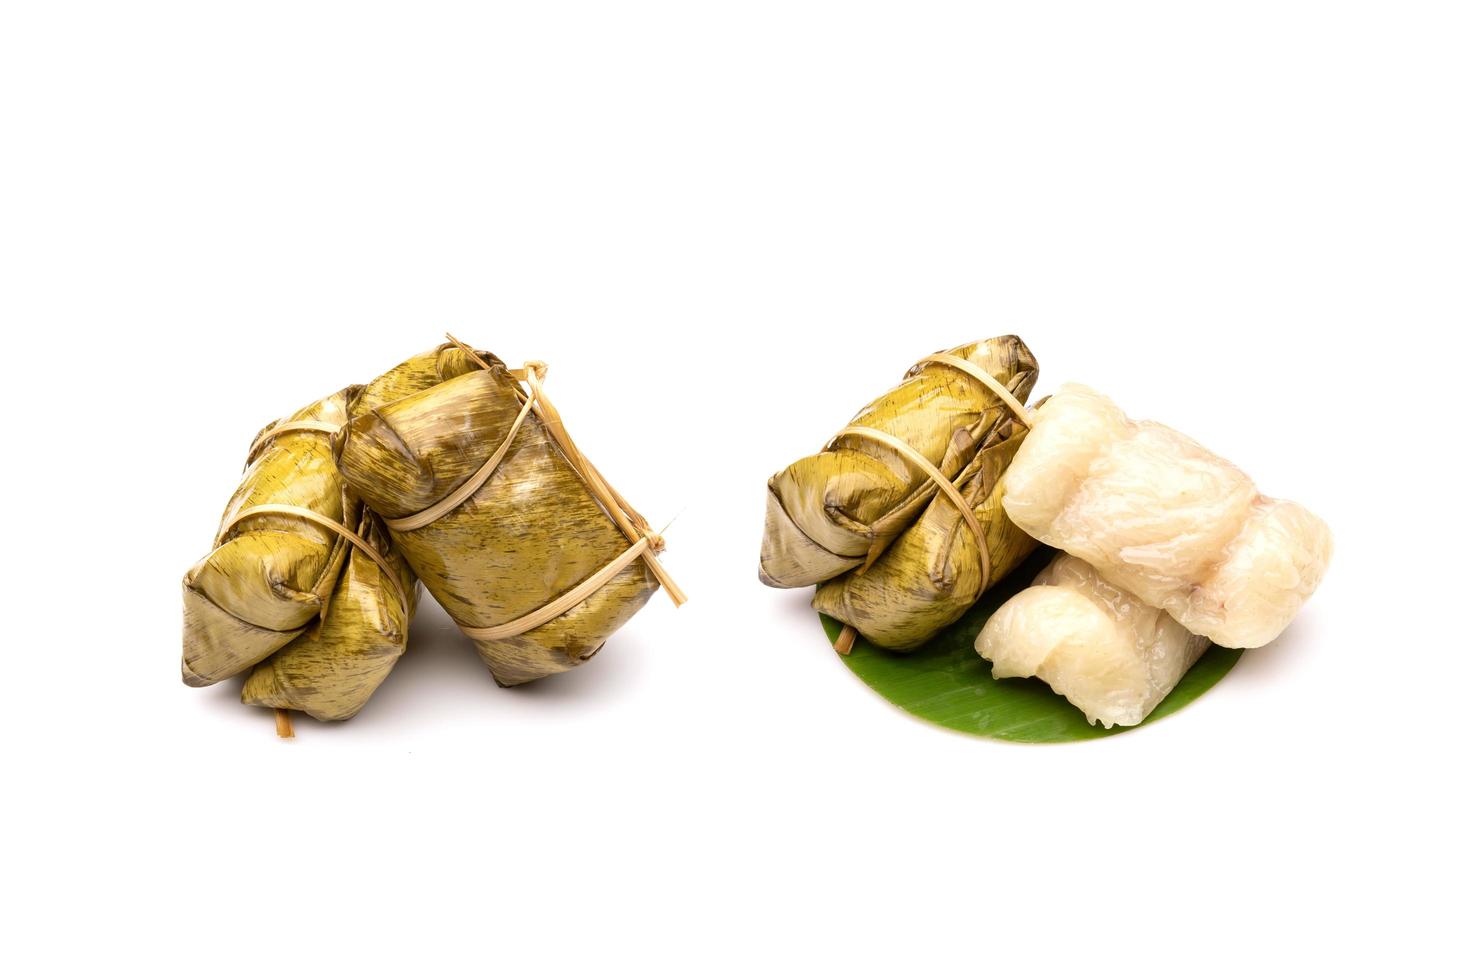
(450, 470)
(899, 516)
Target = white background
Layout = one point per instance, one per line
(726, 227)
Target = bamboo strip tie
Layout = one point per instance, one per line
(644, 544)
(1021, 412)
(283, 428)
(551, 610)
(321, 520)
(945, 485)
(849, 634)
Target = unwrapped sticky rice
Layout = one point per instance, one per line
(1097, 645)
(1158, 515)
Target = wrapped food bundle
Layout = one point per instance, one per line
(1099, 646)
(936, 568)
(839, 509)
(306, 591)
(332, 669)
(1158, 515)
(512, 530)
(271, 571)
(276, 561)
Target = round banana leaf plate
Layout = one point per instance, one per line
(946, 682)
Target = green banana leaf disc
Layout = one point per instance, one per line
(946, 682)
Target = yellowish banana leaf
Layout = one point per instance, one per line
(832, 512)
(271, 575)
(332, 668)
(530, 533)
(935, 570)
(416, 374)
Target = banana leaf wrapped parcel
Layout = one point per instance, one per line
(332, 669)
(506, 523)
(939, 566)
(277, 567)
(839, 509)
(271, 572)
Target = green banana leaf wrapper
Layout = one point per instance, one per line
(272, 576)
(831, 512)
(933, 572)
(530, 533)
